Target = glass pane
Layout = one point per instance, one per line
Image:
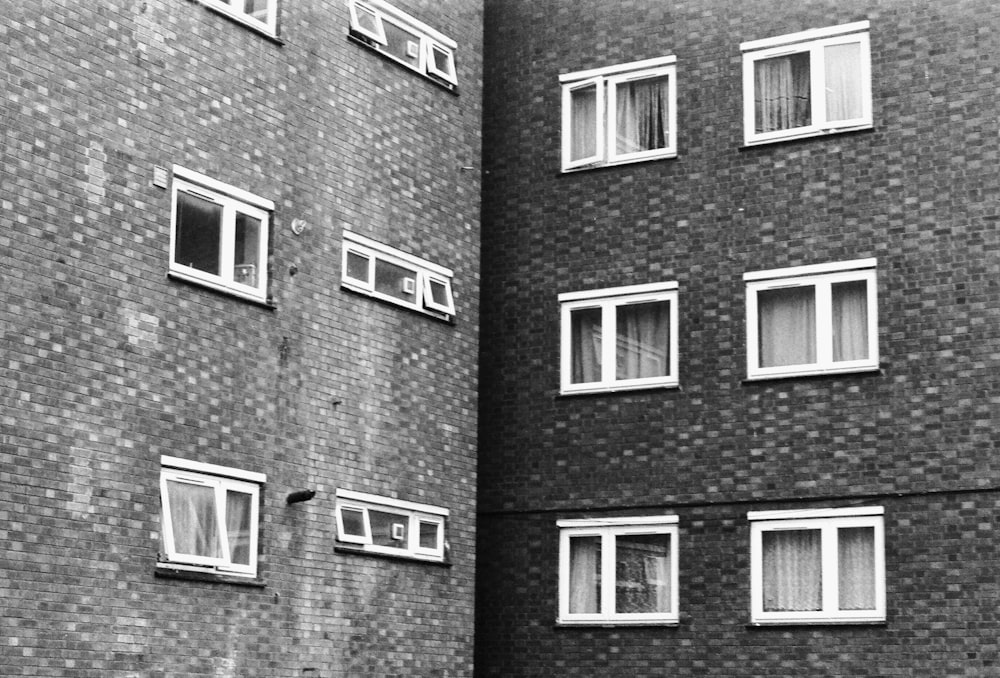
(367, 20)
(442, 60)
(354, 521)
(439, 293)
(641, 110)
(238, 519)
(194, 519)
(787, 326)
(386, 525)
(850, 320)
(357, 266)
(246, 250)
(792, 570)
(584, 575)
(843, 81)
(856, 561)
(585, 337)
(583, 124)
(781, 93)
(402, 44)
(198, 241)
(643, 340)
(396, 281)
(429, 535)
(642, 573)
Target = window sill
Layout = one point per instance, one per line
(218, 289)
(361, 551)
(810, 374)
(165, 571)
(367, 44)
(563, 624)
(815, 623)
(672, 155)
(670, 386)
(802, 136)
(263, 32)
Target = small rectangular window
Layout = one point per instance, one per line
(812, 320)
(817, 566)
(807, 84)
(391, 527)
(620, 114)
(618, 571)
(619, 338)
(261, 15)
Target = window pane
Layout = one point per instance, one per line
(642, 573)
(843, 81)
(238, 508)
(584, 575)
(850, 320)
(642, 342)
(395, 280)
(256, 8)
(428, 535)
(194, 519)
(583, 122)
(781, 93)
(641, 115)
(792, 569)
(856, 561)
(199, 233)
(787, 326)
(357, 266)
(246, 250)
(585, 337)
(367, 19)
(384, 526)
(442, 60)
(354, 521)
(402, 44)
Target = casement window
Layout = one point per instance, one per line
(812, 320)
(816, 566)
(380, 271)
(261, 15)
(219, 235)
(379, 525)
(620, 114)
(404, 39)
(619, 338)
(806, 84)
(618, 571)
(210, 517)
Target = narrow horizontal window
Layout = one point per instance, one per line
(384, 526)
(259, 14)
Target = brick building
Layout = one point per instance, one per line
(239, 337)
(785, 463)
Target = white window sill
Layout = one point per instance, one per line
(220, 288)
(813, 373)
(817, 622)
(608, 623)
(591, 390)
(670, 155)
(806, 134)
(190, 573)
(245, 22)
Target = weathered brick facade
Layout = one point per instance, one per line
(106, 364)
(918, 192)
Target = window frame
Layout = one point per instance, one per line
(828, 521)
(220, 479)
(608, 529)
(821, 277)
(417, 514)
(609, 300)
(812, 42)
(268, 27)
(426, 275)
(606, 81)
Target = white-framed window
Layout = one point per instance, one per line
(806, 84)
(619, 338)
(618, 570)
(817, 566)
(806, 320)
(219, 235)
(261, 15)
(210, 517)
(391, 527)
(404, 39)
(619, 114)
(386, 273)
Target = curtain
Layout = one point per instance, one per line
(642, 573)
(584, 575)
(850, 320)
(843, 81)
(238, 508)
(792, 568)
(585, 340)
(193, 519)
(856, 561)
(787, 326)
(583, 122)
(641, 114)
(642, 342)
(781, 93)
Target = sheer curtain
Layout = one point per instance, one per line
(850, 320)
(642, 573)
(787, 326)
(856, 561)
(792, 568)
(585, 339)
(238, 508)
(781, 93)
(193, 519)
(641, 115)
(583, 125)
(843, 81)
(642, 342)
(584, 575)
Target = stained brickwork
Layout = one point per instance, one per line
(106, 364)
(917, 192)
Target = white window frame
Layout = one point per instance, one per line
(608, 300)
(608, 529)
(426, 275)
(416, 515)
(268, 25)
(231, 199)
(430, 39)
(606, 81)
(812, 42)
(828, 521)
(221, 479)
(822, 277)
